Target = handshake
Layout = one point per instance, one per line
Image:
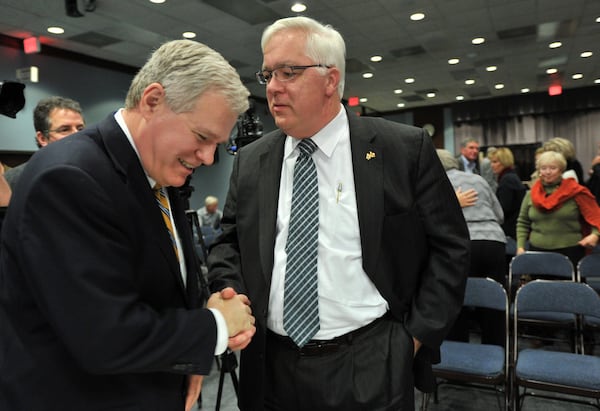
(236, 310)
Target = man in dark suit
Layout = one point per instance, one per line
(392, 248)
(99, 301)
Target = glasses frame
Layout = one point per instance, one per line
(264, 80)
(62, 132)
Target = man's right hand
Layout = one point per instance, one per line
(235, 310)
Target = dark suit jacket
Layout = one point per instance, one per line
(413, 235)
(93, 311)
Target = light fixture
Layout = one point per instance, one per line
(555, 44)
(409, 80)
(189, 34)
(525, 90)
(597, 19)
(469, 81)
(376, 59)
(491, 68)
(577, 76)
(453, 61)
(586, 54)
(398, 91)
(55, 30)
(551, 71)
(157, 1)
(478, 40)
(431, 94)
(400, 105)
(363, 99)
(367, 75)
(597, 81)
(417, 16)
(499, 86)
(460, 98)
(298, 7)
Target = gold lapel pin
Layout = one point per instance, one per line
(370, 155)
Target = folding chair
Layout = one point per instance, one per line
(554, 371)
(471, 363)
(542, 265)
(588, 271)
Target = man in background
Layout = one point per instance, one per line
(99, 301)
(210, 215)
(469, 161)
(54, 118)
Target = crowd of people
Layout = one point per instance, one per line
(326, 253)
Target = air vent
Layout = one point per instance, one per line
(254, 14)
(92, 38)
(407, 51)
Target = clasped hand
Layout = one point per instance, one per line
(236, 310)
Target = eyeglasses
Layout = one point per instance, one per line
(283, 73)
(66, 129)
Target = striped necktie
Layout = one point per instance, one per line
(163, 204)
(300, 302)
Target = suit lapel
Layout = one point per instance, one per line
(269, 176)
(367, 162)
(128, 166)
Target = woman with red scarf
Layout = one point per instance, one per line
(557, 213)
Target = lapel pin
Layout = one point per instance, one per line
(370, 155)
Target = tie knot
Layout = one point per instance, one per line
(307, 147)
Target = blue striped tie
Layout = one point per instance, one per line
(301, 305)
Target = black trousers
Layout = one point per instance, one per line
(371, 372)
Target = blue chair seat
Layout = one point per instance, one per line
(473, 359)
(575, 370)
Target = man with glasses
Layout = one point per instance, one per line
(54, 118)
(346, 235)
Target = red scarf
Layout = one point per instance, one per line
(567, 189)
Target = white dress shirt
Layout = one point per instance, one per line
(347, 297)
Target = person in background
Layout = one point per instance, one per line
(99, 301)
(5, 190)
(535, 174)
(573, 168)
(552, 212)
(470, 160)
(487, 249)
(210, 215)
(54, 118)
(593, 182)
(368, 227)
(510, 189)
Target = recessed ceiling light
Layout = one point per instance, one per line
(55, 30)
(298, 7)
(398, 91)
(400, 105)
(189, 34)
(364, 99)
(431, 95)
(551, 71)
(478, 40)
(376, 59)
(586, 54)
(460, 98)
(491, 68)
(470, 81)
(453, 61)
(367, 75)
(417, 16)
(597, 19)
(597, 81)
(157, 1)
(555, 44)
(577, 76)
(409, 80)
(499, 86)
(525, 90)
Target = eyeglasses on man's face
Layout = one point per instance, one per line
(64, 130)
(283, 73)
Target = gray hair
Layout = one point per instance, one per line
(41, 112)
(186, 69)
(549, 157)
(209, 200)
(447, 159)
(324, 44)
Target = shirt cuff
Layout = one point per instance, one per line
(222, 334)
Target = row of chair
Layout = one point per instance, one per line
(564, 300)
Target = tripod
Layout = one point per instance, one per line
(227, 361)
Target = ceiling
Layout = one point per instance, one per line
(517, 33)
